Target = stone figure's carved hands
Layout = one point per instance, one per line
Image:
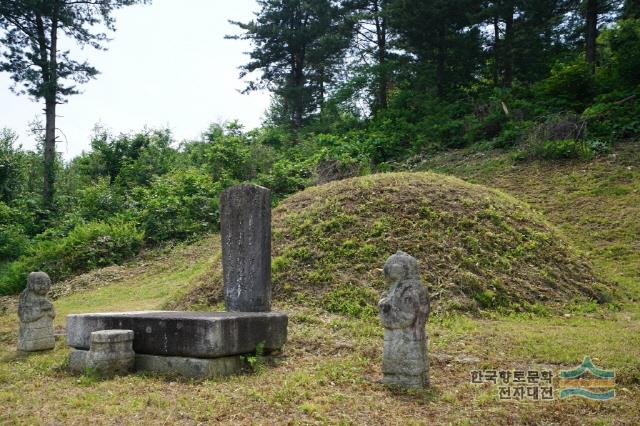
(399, 309)
(31, 313)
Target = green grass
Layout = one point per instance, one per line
(330, 375)
(149, 292)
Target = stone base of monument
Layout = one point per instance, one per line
(191, 344)
(192, 367)
(172, 365)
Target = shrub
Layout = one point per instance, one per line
(512, 133)
(560, 136)
(129, 160)
(13, 242)
(569, 87)
(620, 50)
(88, 246)
(179, 205)
(615, 117)
(561, 149)
(13, 239)
(99, 201)
(286, 177)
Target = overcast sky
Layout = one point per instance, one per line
(167, 65)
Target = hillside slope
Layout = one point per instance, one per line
(477, 247)
(595, 203)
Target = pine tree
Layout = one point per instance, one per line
(443, 34)
(297, 46)
(31, 30)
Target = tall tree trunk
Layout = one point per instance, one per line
(48, 188)
(322, 95)
(591, 31)
(49, 154)
(381, 41)
(441, 59)
(48, 67)
(298, 99)
(508, 45)
(496, 47)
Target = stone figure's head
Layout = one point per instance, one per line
(39, 283)
(399, 267)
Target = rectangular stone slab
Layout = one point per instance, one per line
(202, 368)
(187, 334)
(192, 367)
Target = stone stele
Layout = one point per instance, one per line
(36, 315)
(404, 310)
(245, 230)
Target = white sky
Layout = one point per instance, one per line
(168, 64)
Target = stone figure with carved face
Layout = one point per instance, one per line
(403, 310)
(36, 315)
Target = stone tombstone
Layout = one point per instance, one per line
(245, 228)
(404, 309)
(36, 315)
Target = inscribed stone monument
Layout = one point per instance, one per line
(245, 228)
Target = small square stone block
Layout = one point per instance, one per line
(111, 352)
(111, 336)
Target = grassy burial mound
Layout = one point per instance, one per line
(477, 248)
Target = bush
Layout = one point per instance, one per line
(512, 133)
(286, 177)
(615, 117)
(88, 246)
(620, 50)
(561, 150)
(179, 205)
(14, 242)
(570, 86)
(99, 201)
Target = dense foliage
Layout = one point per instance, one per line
(130, 191)
(418, 76)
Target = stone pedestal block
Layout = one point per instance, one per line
(245, 230)
(201, 368)
(186, 334)
(111, 352)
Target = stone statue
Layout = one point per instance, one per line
(36, 315)
(403, 311)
